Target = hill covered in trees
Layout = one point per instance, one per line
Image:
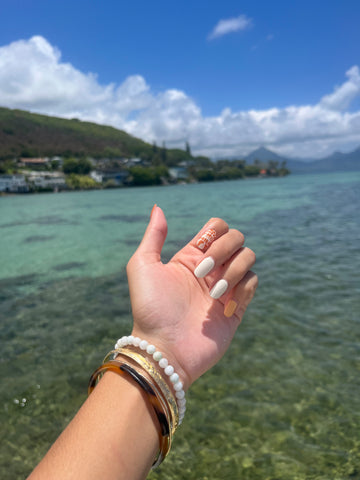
(79, 150)
(24, 134)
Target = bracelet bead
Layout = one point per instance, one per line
(163, 363)
(174, 378)
(157, 356)
(143, 344)
(151, 349)
(169, 370)
(181, 402)
(180, 394)
(178, 386)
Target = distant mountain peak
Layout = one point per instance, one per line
(263, 154)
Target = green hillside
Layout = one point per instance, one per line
(24, 134)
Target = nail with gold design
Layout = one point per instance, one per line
(206, 239)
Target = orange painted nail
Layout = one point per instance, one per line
(230, 308)
(152, 211)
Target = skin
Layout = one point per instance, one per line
(173, 310)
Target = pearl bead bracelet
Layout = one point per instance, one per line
(163, 363)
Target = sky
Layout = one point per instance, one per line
(227, 77)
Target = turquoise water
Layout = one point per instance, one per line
(284, 403)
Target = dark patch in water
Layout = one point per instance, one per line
(38, 238)
(13, 224)
(123, 218)
(47, 220)
(18, 281)
(68, 266)
(11, 287)
(52, 220)
(131, 242)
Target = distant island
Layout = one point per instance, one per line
(43, 153)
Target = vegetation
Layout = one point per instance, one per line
(80, 166)
(25, 134)
(81, 182)
(140, 176)
(76, 148)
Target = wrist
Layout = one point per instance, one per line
(167, 354)
(153, 362)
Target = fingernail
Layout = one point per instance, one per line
(230, 308)
(204, 267)
(152, 211)
(206, 239)
(219, 289)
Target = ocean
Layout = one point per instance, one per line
(283, 403)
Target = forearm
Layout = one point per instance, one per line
(114, 435)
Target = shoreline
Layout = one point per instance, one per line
(122, 187)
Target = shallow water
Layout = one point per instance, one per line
(284, 403)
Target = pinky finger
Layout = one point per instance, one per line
(240, 296)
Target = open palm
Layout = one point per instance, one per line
(172, 308)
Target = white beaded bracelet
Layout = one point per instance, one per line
(163, 363)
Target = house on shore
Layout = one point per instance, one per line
(46, 180)
(34, 162)
(178, 173)
(117, 178)
(13, 184)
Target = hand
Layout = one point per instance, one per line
(172, 307)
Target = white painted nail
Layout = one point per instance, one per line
(219, 289)
(204, 267)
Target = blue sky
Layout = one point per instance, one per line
(226, 76)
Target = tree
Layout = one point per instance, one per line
(273, 164)
(187, 149)
(79, 167)
(204, 162)
(205, 175)
(252, 170)
(163, 154)
(81, 182)
(148, 175)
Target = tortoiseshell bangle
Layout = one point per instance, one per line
(123, 369)
(149, 368)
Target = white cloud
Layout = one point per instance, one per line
(341, 98)
(33, 77)
(230, 25)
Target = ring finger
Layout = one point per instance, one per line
(237, 268)
(220, 252)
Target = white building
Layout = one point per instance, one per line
(13, 184)
(117, 177)
(46, 180)
(178, 173)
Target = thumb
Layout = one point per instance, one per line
(154, 237)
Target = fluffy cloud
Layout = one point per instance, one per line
(33, 77)
(230, 25)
